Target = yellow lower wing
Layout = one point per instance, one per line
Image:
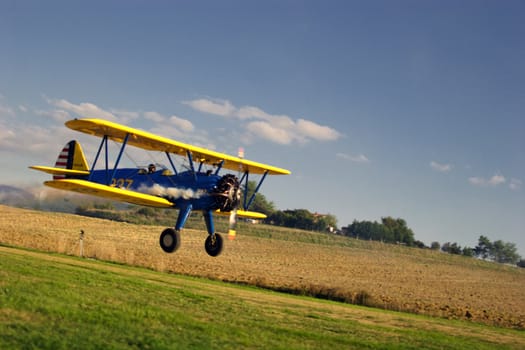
(244, 214)
(114, 193)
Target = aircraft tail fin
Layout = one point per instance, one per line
(72, 158)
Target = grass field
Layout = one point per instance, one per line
(51, 301)
(369, 273)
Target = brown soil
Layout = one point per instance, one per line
(386, 276)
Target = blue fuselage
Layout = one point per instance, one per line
(184, 188)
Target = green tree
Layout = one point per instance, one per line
(303, 219)
(498, 251)
(260, 203)
(399, 231)
(370, 231)
(504, 252)
(323, 222)
(451, 248)
(420, 244)
(484, 248)
(467, 251)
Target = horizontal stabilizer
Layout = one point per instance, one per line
(59, 171)
(114, 193)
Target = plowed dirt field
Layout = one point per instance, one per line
(385, 276)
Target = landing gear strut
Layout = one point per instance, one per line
(213, 244)
(169, 240)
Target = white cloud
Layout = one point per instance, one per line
(218, 107)
(84, 109)
(7, 136)
(359, 158)
(266, 131)
(125, 117)
(90, 110)
(477, 181)
(175, 125)
(497, 180)
(316, 131)
(249, 112)
(6, 111)
(29, 139)
(493, 181)
(444, 168)
(273, 127)
(20, 138)
(515, 184)
(182, 124)
(154, 117)
(58, 115)
(172, 127)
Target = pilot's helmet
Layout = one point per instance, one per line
(151, 168)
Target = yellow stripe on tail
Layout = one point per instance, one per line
(71, 157)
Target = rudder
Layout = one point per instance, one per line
(71, 157)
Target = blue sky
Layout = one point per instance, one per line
(411, 109)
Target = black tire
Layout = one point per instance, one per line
(169, 240)
(213, 244)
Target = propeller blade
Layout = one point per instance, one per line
(232, 224)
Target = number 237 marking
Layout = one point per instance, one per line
(121, 183)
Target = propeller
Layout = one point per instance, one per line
(227, 199)
(232, 224)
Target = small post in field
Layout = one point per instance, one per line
(81, 243)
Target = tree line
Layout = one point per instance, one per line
(389, 230)
(497, 251)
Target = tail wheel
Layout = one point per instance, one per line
(213, 244)
(169, 240)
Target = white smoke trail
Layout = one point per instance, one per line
(172, 192)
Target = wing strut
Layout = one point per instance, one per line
(248, 202)
(219, 167)
(245, 195)
(104, 144)
(192, 166)
(107, 162)
(257, 189)
(172, 164)
(124, 143)
(104, 141)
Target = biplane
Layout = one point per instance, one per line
(199, 186)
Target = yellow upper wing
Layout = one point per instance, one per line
(152, 142)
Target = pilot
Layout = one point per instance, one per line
(151, 168)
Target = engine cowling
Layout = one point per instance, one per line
(227, 193)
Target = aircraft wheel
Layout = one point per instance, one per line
(170, 240)
(213, 244)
